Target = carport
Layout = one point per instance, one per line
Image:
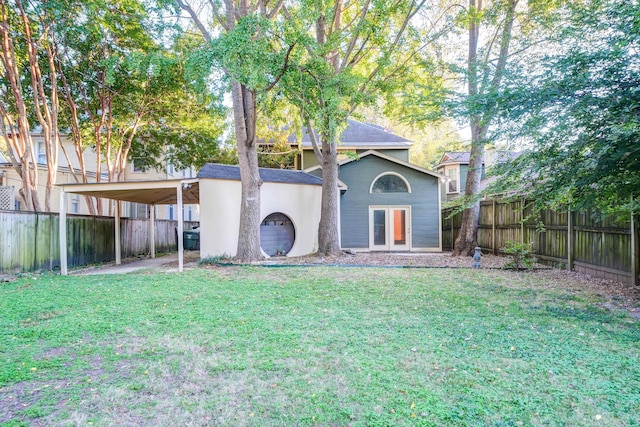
(166, 192)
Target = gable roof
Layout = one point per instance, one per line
(388, 158)
(455, 157)
(361, 135)
(463, 157)
(232, 172)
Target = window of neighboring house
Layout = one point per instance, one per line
(135, 168)
(170, 211)
(170, 169)
(42, 153)
(454, 177)
(190, 214)
(75, 203)
(390, 182)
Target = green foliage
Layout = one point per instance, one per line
(253, 52)
(355, 65)
(580, 115)
(216, 260)
(520, 254)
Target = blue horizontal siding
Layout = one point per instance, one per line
(423, 199)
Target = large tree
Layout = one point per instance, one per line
(579, 114)
(500, 35)
(236, 32)
(104, 78)
(131, 96)
(349, 54)
(28, 85)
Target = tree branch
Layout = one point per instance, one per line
(196, 19)
(284, 69)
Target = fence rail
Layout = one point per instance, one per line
(29, 241)
(574, 240)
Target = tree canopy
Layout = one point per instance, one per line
(579, 115)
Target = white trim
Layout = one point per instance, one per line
(389, 228)
(447, 168)
(390, 173)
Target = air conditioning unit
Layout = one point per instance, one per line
(7, 197)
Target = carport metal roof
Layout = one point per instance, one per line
(146, 192)
(164, 192)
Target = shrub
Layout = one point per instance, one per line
(520, 254)
(214, 260)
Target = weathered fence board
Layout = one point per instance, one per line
(29, 241)
(586, 244)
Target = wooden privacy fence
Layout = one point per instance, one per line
(573, 240)
(29, 241)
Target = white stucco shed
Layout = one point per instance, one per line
(290, 211)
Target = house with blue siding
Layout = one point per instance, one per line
(357, 138)
(386, 203)
(454, 165)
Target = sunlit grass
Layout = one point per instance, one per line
(315, 346)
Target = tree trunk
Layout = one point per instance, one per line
(328, 233)
(467, 238)
(244, 111)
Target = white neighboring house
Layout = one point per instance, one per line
(7, 192)
(455, 166)
(11, 183)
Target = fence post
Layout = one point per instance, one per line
(634, 249)
(452, 233)
(51, 245)
(493, 229)
(569, 240)
(522, 221)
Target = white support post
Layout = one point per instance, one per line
(62, 230)
(152, 232)
(117, 224)
(180, 228)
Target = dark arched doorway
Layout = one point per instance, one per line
(277, 234)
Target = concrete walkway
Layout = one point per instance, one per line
(166, 263)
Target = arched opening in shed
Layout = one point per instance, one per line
(277, 234)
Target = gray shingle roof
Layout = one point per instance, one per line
(463, 157)
(232, 172)
(358, 134)
(455, 157)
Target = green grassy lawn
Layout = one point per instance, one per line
(314, 346)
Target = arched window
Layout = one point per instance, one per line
(390, 182)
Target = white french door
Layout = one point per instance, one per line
(389, 228)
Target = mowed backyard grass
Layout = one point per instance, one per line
(314, 346)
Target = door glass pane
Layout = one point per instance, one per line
(399, 227)
(379, 229)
